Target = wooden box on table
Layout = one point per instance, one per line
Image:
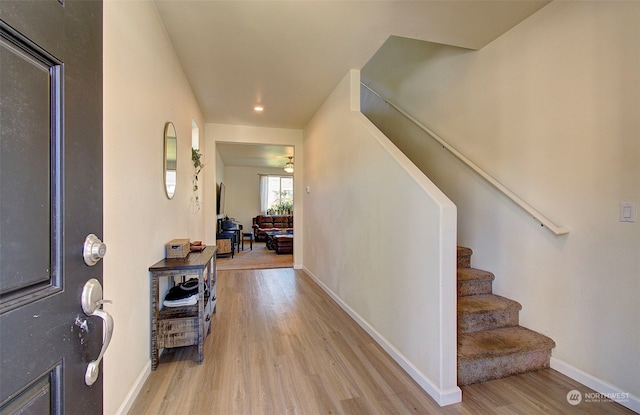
(177, 248)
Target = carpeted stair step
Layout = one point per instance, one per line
(491, 344)
(494, 354)
(473, 281)
(486, 312)
(464, 257)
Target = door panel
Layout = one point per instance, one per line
(38, 397)
(28, 147)
(50, 200)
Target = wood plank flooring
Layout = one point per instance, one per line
(258, 257)
(280, 345)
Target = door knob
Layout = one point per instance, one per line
(94, 250)
(91, 305)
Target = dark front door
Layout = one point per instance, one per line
(50, 200)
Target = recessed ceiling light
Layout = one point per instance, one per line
(258, 108)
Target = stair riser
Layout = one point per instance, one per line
(474, 288)
(464, 261)
(464, 257)
(487, 321)
(484, 370)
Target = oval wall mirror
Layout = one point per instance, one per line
(170, 159)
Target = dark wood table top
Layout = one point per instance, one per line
(195, 260)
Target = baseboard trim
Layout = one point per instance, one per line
(629, 401)
(442, 396)
(126, 405)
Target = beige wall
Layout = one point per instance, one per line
(144, 87)
(551, 109)
(219, 166)
(380, 239)
(243, 192)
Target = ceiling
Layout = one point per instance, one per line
(254, 155)
(290, 55)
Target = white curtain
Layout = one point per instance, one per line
(264, 193)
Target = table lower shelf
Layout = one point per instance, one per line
(178, 326)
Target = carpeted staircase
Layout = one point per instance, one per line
(491, 344)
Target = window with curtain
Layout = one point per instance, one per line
(276, 195)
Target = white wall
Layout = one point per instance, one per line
(380, 238)
(257, 135)
(551, 109)
(219, 167)
(243, 192)
(144, 87)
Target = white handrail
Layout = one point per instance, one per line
(544, 221)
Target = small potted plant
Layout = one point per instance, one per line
(196, 158)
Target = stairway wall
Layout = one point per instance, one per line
(379, 237)
(551, 110)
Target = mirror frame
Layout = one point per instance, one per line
(170, 164)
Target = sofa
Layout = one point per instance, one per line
(271, 223)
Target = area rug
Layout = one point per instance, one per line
(258, 258)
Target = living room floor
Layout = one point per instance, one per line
(258, 258)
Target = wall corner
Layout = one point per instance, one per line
(354, 90)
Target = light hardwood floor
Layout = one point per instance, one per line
(280, 345)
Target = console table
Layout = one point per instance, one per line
(183, 326)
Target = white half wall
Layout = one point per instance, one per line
(551, 109)
(379, 237)
(144, 87)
